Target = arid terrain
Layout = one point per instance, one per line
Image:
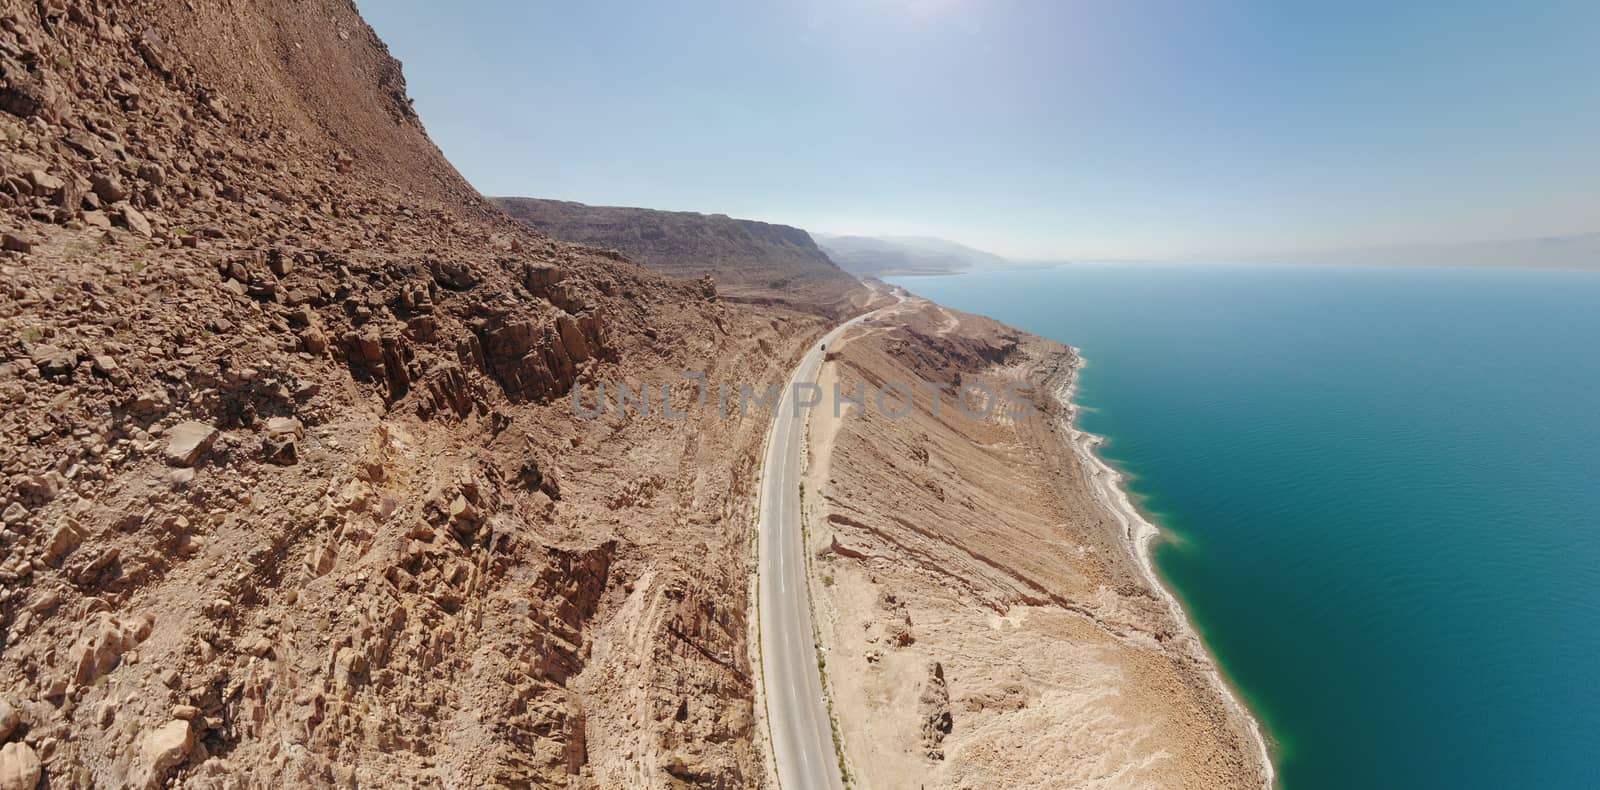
(984, 620)
(294, 493)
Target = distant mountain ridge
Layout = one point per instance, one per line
(745, 258)
(875, 256)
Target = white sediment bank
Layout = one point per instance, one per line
(1138, 532)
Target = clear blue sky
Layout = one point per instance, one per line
(1033, 128)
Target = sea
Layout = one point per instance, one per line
(1379, 491)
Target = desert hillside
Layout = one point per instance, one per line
(293, 492)
(747, 260)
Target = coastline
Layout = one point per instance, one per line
(1025, 649)
(1138, 533)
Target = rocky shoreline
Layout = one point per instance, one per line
(1140, 533)
(985, 617)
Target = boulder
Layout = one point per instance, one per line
(155, 53)
(282, 442)
(285, 426)
(150, 403)
(52, 360)
(280, 262)
(153, 173)
(455, 275)
(66, 537)
(44, 184)
(163, 749)
(187, 441)
(314, 340)
(100, 647)
(134, 220)
(109, 188)
(540, 277)
(14, 243)
(84, 143)
(20, 768)
(9, 718)
(933, 708)
(572, 339)
(23, 94)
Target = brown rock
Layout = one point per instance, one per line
(66, 537)
(260, 647)
(23, 94)
(321, 560)
(572, 339)
(540, 277)
(15, 243)
(44, 184)
(151, 403)
(153, 173)
(463, 516)
(187, 441)
(155, 52)
(283, 436)
(314, 340)
(53, 360)
(84, 143)
(108, 187)
(20, 768)
(281, 263)
(455, 275)
(9, 718)
(99, 650)
(845, 551)
(285, 426)
(163, 749)
(135, 221)
(933, 707)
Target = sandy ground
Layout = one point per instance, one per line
(986, 614)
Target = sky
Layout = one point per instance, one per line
(1036, 129)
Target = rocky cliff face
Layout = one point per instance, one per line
(745, 259)
(292, 489)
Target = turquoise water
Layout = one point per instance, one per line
(1381, 488)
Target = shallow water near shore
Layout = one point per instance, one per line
(1381, 494)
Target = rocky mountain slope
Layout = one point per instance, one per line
(748, 260)
(293, 491)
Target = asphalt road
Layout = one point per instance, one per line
(802, 740)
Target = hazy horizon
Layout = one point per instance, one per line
(1037, 131)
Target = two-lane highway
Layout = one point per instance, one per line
(802, 737)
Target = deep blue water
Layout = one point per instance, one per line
(1381, 491)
